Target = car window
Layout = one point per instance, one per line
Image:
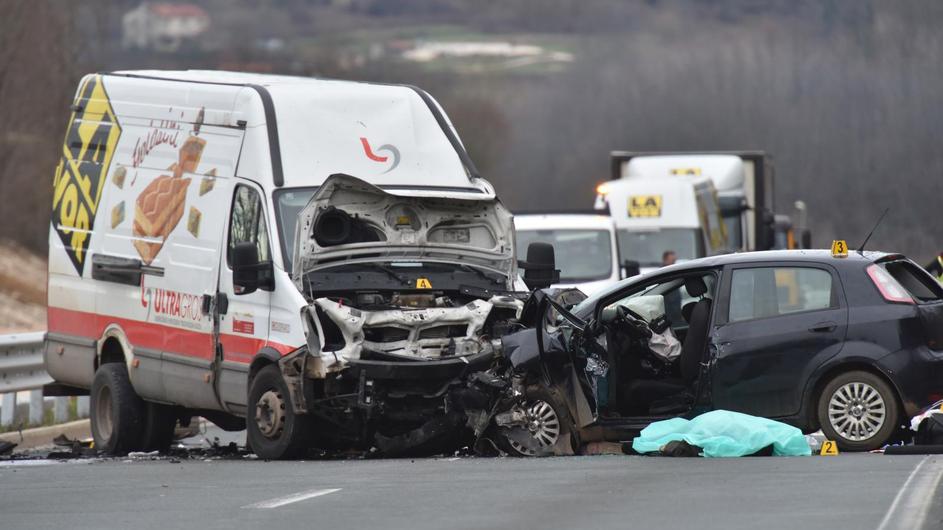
(675, 295)
(918, 283)
(771, 291)
(248, 223)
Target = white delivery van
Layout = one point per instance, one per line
(653, 216)
(584, 246)
(207, 224)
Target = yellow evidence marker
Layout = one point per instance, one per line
(829, 448)
(839, 248)
(423, 283)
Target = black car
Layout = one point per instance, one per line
(852, 345)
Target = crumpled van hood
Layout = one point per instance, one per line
(401, 225)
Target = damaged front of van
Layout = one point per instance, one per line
(407, 293)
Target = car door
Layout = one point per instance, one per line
(626, 364)
(774, 325)
(243, 317)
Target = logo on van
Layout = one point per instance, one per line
(80, 176)
(394, 152)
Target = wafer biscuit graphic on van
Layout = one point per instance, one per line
(207, 182)
(157, 211)
(190, 154)
(193, 222)
(117, 214)
(118, 176)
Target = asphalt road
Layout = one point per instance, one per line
(620, 492)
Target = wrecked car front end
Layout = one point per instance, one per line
(407, 296)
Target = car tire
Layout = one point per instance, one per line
(553, 429)
(160, 422)
(117, 412)
(274, 431)
(858, 410)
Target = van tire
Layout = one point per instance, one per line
(117, 412)
(274, 431)
(159, 425)
(853, 387)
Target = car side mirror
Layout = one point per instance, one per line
(631, 268)
(248, 273)
(540, 268)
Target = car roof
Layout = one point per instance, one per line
(562, 221)
(738, 258)
(806, 255)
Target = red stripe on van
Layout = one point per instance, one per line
(158, 336)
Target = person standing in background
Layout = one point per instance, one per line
(668, 257)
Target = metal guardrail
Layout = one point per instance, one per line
(21, 362)
(22, 369)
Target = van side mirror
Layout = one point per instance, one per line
(631, 268)
(248, 273)
(540, 268)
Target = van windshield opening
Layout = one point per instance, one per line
(288, 204)
(581, 255)
(647, 247)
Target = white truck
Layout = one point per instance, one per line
(656, 215)
(743, 180)
(306, 258)
(585, 248)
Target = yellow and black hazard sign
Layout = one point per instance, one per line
(694, 171)
(80, 176)
(423, 283)
(645, 206)
(839, 248)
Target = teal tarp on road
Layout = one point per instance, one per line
(722, 433)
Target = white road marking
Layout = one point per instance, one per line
(42, 462)
(453, 459)
(288, 499)
(910, 506)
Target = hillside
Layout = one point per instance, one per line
(22, 289)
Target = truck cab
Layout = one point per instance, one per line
(743, 180)
(652, 216)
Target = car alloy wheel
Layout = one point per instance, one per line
(857, 411)
(543, 424)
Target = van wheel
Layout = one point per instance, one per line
(275, 432)
(117, 412)
(548, 430)
(858, 410)
(159, 426)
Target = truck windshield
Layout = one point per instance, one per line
(581, 255)
(288, 204)
(647, 247)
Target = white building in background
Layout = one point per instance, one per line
(163, 26)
